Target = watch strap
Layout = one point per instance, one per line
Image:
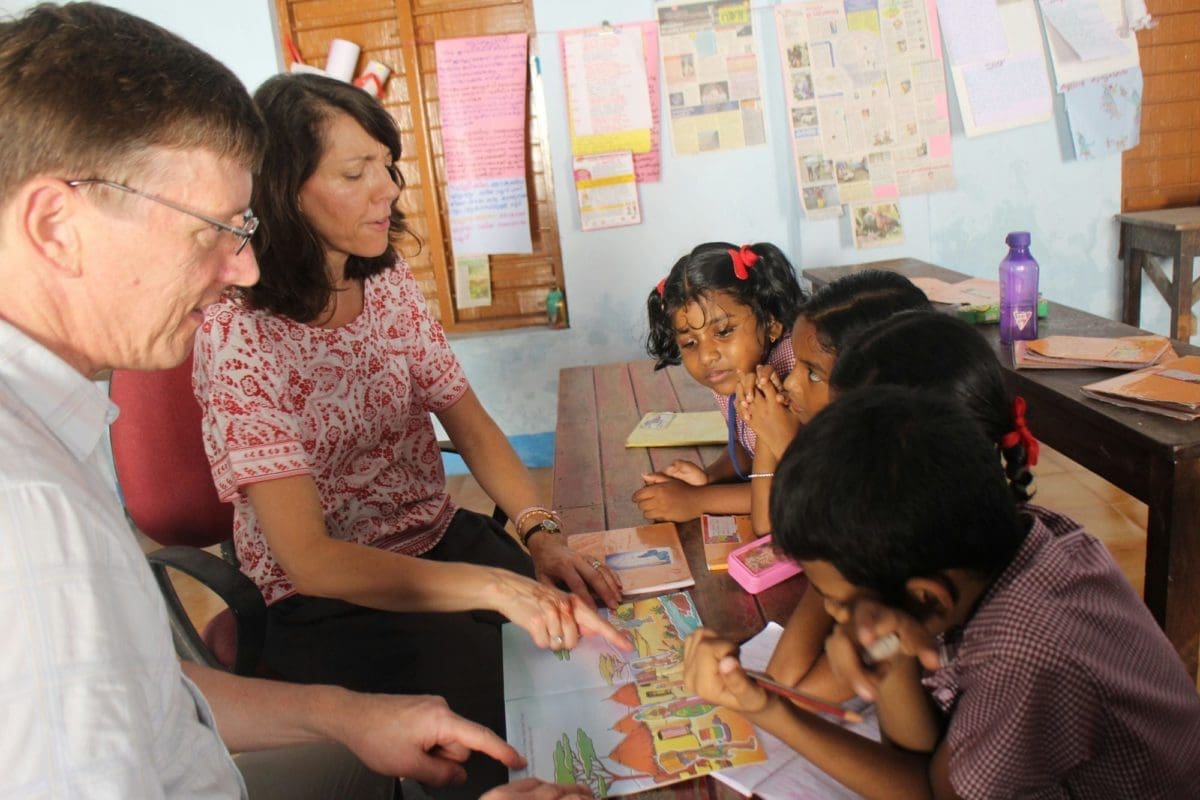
(547, 526)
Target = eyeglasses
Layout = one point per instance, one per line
(249, 221)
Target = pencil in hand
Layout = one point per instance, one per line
(805, 701)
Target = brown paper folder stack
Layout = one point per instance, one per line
(1171, 389)
(1080, 352)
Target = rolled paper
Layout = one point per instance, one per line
(373, 78)
(299, 68)
(342, 59)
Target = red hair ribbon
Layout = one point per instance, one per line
(1021, 433)
(662, 285)
(743, 260)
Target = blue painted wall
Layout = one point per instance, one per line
(1013, 180)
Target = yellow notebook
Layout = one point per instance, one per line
(678, 429)
(722, 534)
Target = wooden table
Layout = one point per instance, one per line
(1172, 233)
(595, 476)
(1153, 458)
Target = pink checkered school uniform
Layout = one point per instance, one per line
(1062, 685)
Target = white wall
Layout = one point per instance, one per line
(1007, 181)
(241, 33)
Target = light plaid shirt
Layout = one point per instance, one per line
(94, 703)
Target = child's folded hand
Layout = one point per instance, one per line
(712, 671)
(668, 499)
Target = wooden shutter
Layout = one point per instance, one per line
(401, 34)
(1163, 171)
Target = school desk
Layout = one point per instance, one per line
(595, 477)
(1153, 458)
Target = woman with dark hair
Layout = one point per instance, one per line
(317, 386)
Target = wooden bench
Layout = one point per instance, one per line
(1172, 233)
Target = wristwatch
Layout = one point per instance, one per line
(548, 525)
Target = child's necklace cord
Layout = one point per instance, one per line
(737, 469)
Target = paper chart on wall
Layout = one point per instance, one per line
(867, 101)
(648, 166)
(608, 103)
(1000, 95)
(710, 66)
(606, 188)
(972, 30)
(1105, 113)
(1084, 42)
(619, 722)
(472, 281)
(481, 98)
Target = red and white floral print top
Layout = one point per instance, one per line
(349, 406)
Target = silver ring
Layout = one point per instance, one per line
(557, 640)
(596, 565)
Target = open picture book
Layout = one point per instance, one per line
(619, 722)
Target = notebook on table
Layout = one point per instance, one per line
(648, 559)
(678, 429)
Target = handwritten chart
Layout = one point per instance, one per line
(481, 89)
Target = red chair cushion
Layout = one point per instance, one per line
(220, 634)
(158, 451)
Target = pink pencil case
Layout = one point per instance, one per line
(756, 566)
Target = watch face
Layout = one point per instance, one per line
(550, 525)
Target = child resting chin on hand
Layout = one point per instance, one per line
(1028, 666)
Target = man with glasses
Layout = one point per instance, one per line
(126, 157)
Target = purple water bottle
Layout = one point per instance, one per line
(1018, 290)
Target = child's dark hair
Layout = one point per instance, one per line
(857, 301)
(768, 286)
(889, 483)
(948, 356)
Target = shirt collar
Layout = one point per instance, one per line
(944, 682)
(72, 407)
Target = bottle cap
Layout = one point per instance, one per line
(1017, 239)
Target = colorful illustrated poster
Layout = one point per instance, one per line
(710, 66)
(876, 225)
(606, 187)
(619, 722)
(608, 103)
(867, 102)
(481, 93)
(472, 281)
(1105, 113)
